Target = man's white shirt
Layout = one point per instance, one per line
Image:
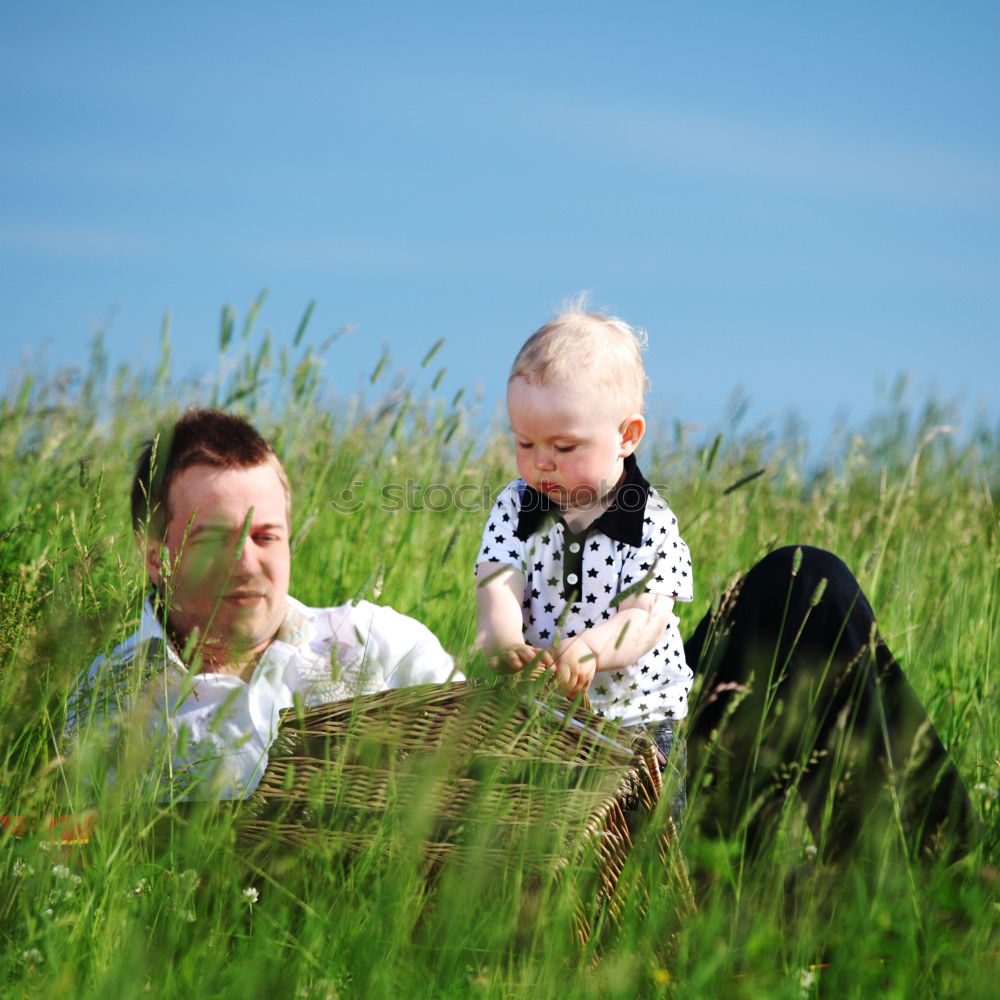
(206, 735)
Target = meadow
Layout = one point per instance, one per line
(161, 903)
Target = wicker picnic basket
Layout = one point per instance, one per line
(476, 775)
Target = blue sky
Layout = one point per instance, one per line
(797, 199)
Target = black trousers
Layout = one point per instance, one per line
(799, 695)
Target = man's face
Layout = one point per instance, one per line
(234, 596)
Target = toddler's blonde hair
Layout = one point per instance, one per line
(578, 343)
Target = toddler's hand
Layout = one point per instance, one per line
(575, 668)
(513, 659)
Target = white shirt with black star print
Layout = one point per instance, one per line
(574, 582)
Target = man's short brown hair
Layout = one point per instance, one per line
(199, 437)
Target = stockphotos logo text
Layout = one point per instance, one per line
(412, 495)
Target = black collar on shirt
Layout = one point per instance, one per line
(622, 521)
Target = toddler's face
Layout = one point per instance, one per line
(571, 439)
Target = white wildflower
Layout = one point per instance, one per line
(63, 872)
(251, 895)
(22, 868)
(807, 980)
(810, 853)
(32, 955)
(189, 879)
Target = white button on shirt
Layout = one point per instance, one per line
(215, 729)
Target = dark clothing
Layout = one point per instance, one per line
(799, 691)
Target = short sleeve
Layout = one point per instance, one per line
(114, 683)
(500, 542)
(662, 563)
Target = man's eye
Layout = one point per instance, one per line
(213, 540)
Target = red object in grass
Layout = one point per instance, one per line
(69, 828)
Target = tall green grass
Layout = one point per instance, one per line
(161, 903)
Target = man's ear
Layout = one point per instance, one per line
(632, 431)
(151, 548)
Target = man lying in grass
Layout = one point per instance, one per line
(211, 509)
